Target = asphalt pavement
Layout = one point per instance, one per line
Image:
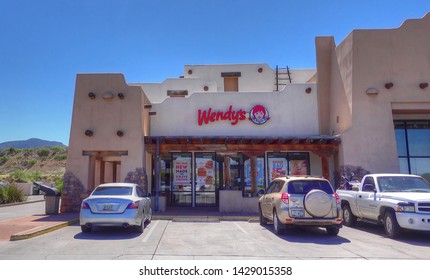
(29, 219)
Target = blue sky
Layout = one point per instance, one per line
(45, 43)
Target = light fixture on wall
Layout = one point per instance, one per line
(91, 95)
(205, 88)
(120, 133)
(260, 70)
(389, 85)
(372, 91)
(308, 90)
(121, 95)
(89, 132)
(423, 85)
(190, 72)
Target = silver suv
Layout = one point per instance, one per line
(301, 201)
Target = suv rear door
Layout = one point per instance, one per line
(306, 204)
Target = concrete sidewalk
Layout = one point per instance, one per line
(34, 225)
(38, 224)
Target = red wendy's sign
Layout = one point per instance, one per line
(258, 115)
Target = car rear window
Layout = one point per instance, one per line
(305, 186)
(113, 191)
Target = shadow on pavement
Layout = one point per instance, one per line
(108, 233)
(313, 235)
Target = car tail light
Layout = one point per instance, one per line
(285, 198)
(133, 205)
(337, 198)
(85, 205)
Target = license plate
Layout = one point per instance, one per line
(297, 213)
(108, 207)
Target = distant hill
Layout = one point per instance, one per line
(30, 143)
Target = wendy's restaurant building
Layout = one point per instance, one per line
(216, 136)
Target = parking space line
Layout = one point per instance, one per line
(241, 228)
(150, 231)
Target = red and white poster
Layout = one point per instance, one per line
(277, 168)
(182, 172)
(205, 171)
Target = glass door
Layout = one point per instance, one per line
(205, 179)
(182, 194)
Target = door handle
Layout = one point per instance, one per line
(359, 196)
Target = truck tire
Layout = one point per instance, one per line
(349, 219)
(391, 226)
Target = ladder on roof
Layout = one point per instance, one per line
(282, 76)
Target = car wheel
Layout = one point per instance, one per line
(149, 218)
(277, 226)
(86, 228)
(333, 231)
(349, 219)
(141, 227)
(391, 226)
(263, 220)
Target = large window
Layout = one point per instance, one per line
(292, 163)
(413, 146)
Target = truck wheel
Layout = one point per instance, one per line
(391, 226)
(348, 218)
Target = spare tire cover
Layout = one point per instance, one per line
(318, 203)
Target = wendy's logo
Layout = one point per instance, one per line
(259, 114)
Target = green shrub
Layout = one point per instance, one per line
(3, 160)
(31, 163)
(60, 157)
(9, 151)
(59, 184)
(43, 152)
(19, 176)
(34, 176)
(10, 194)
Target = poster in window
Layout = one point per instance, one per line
(260, 172)
(182, 172)
(299, 167)
(205, 171)
(277, 167)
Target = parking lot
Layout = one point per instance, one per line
(169, 240)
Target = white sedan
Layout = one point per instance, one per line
(116, 204)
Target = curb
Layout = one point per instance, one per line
(20, 203)
(39, 231)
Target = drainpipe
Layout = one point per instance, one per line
(157, 174)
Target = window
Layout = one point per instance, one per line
(231, 81)
(413, 146)
(280, 164)
(303, 187)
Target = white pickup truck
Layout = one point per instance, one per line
(397, 201)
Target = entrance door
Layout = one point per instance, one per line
(205, 184)
(182, 192)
